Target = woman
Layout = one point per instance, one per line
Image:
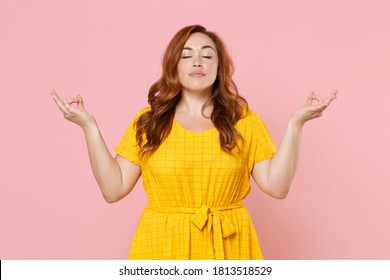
(196, 147)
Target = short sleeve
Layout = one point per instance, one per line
(127, 146)
(261, 144)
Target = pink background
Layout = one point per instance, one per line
(50, 205)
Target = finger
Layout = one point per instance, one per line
(55, 95)
(60, 104)
(314, 97)
(310, 98)
(80, 103)
(331, 97)
(67, 106)
(318, 108)
(321, 107)
(72, 100)
(319, 99)
(333, 93)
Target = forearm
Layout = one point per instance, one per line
(104, 167)
(284, 164)
(275, 176)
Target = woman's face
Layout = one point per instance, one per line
(198, 65)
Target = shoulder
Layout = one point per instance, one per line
(251, 124)
(139, 113)
(249, 117)
(144, 110)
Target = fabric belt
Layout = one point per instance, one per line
(218, 223)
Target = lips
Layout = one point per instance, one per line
(197, 74)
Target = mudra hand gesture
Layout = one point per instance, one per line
(313, 108)
(76, 114)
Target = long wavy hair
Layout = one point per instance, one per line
(154, 126)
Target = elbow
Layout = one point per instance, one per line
(112, 188)
(111, 197)
(115, 192)
(110, 200)
(278, 193)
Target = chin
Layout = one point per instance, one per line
(200, 90)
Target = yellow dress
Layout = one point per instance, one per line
(195, 192)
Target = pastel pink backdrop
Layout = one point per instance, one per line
(110, 52)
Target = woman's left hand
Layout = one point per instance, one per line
(313, 108)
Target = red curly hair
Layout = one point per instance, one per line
(164, 95)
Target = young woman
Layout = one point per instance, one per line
(196, 147)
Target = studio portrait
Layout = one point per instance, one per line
(215, 130)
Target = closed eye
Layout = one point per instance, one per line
(206, 56)
(186, 56)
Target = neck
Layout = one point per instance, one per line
(192, 103)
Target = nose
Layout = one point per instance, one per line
(197, 62)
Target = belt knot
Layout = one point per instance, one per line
(219, 219)
(218, 222)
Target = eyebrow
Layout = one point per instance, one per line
(204, 47)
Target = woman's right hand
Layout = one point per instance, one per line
(76, 114)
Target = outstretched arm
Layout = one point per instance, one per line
(274, 176)
(117, 176)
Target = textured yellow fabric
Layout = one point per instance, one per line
(195, 192)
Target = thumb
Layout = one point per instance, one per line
(80, 102)
(310, 98)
